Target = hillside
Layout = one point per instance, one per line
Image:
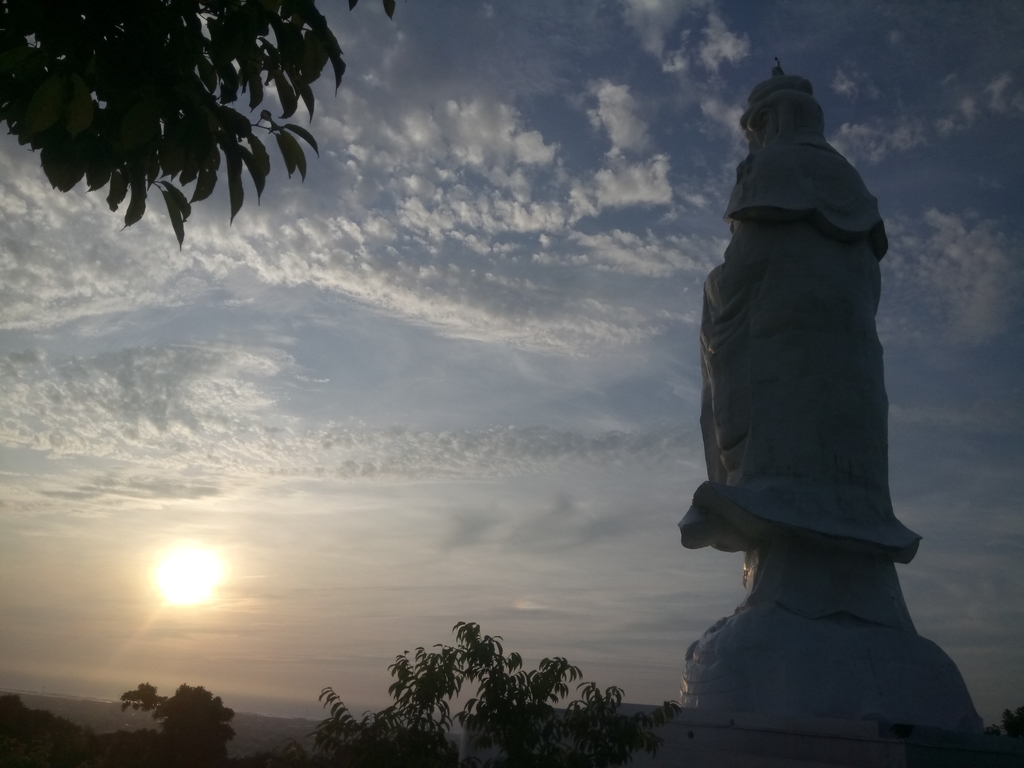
(253, 733)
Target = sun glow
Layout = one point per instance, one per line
(188, 576)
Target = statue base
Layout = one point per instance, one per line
(769, 660)
(713, 739)
(708, 739)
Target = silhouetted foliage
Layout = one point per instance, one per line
(194, 728)
(513, 710)
(31, 738)
(131, 94)
(131, 749)
(144, 697)
(1013, 724)
(194, 735)
(259, 760)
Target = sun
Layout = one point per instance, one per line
(187, 576)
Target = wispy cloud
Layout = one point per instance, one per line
(149, 403)
(653, 20)
(62, 257)
(616, 113)
(850, 82)
(875, 140)
(721, 45)
(135, 487)
(959, 267)
(624, 184)
(626, 252)
(725, 116)
(211, 407)
(989, 416)
(1000, 99)
(960, 120)
(459, 180)
(495, 452)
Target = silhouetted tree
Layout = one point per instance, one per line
(31, 738)
(131, 94)
(144, 697)
(194, 728)
(131, 749)
(1013, 724)
(513, 710)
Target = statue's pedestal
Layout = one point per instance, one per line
(769, 660)
(708, 739)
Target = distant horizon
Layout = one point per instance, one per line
(44, 694)
(116, 700)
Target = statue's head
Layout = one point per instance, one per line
(782, 109)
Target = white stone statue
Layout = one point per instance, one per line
(794, 418)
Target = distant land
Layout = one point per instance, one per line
(253, 733)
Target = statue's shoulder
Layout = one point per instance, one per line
(804, 178)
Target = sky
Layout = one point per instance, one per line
(454, 375)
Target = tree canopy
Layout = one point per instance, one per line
(513, 710)
(132, 94)
(32, 738)
(1013, 724)
(193, 723)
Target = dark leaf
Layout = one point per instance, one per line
(330, 43)
(207, 73)
(299, 131)
(180, 199)
(96, 176)
(285, 92)
(255, 90)
(140, 124)
(14, 58)
(260, 154)
(292, 154)
(315, 57)
(152, 166)
(190, 166)
(228, 82)
(352, 4)
(234, 122)
(172, 156)
(45, 106)
(307, 96)
(178, 210)
(259, 176)
(137, 206)
(289, 40)
(235, 191)
(118, 189)
(389, 8)
(63, 169)
(207, 176)
(80, 108)
(227, 39)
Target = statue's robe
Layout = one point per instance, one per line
(794, 411)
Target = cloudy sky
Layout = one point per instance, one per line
(454, 375)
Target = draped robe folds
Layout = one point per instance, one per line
(794, 409)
